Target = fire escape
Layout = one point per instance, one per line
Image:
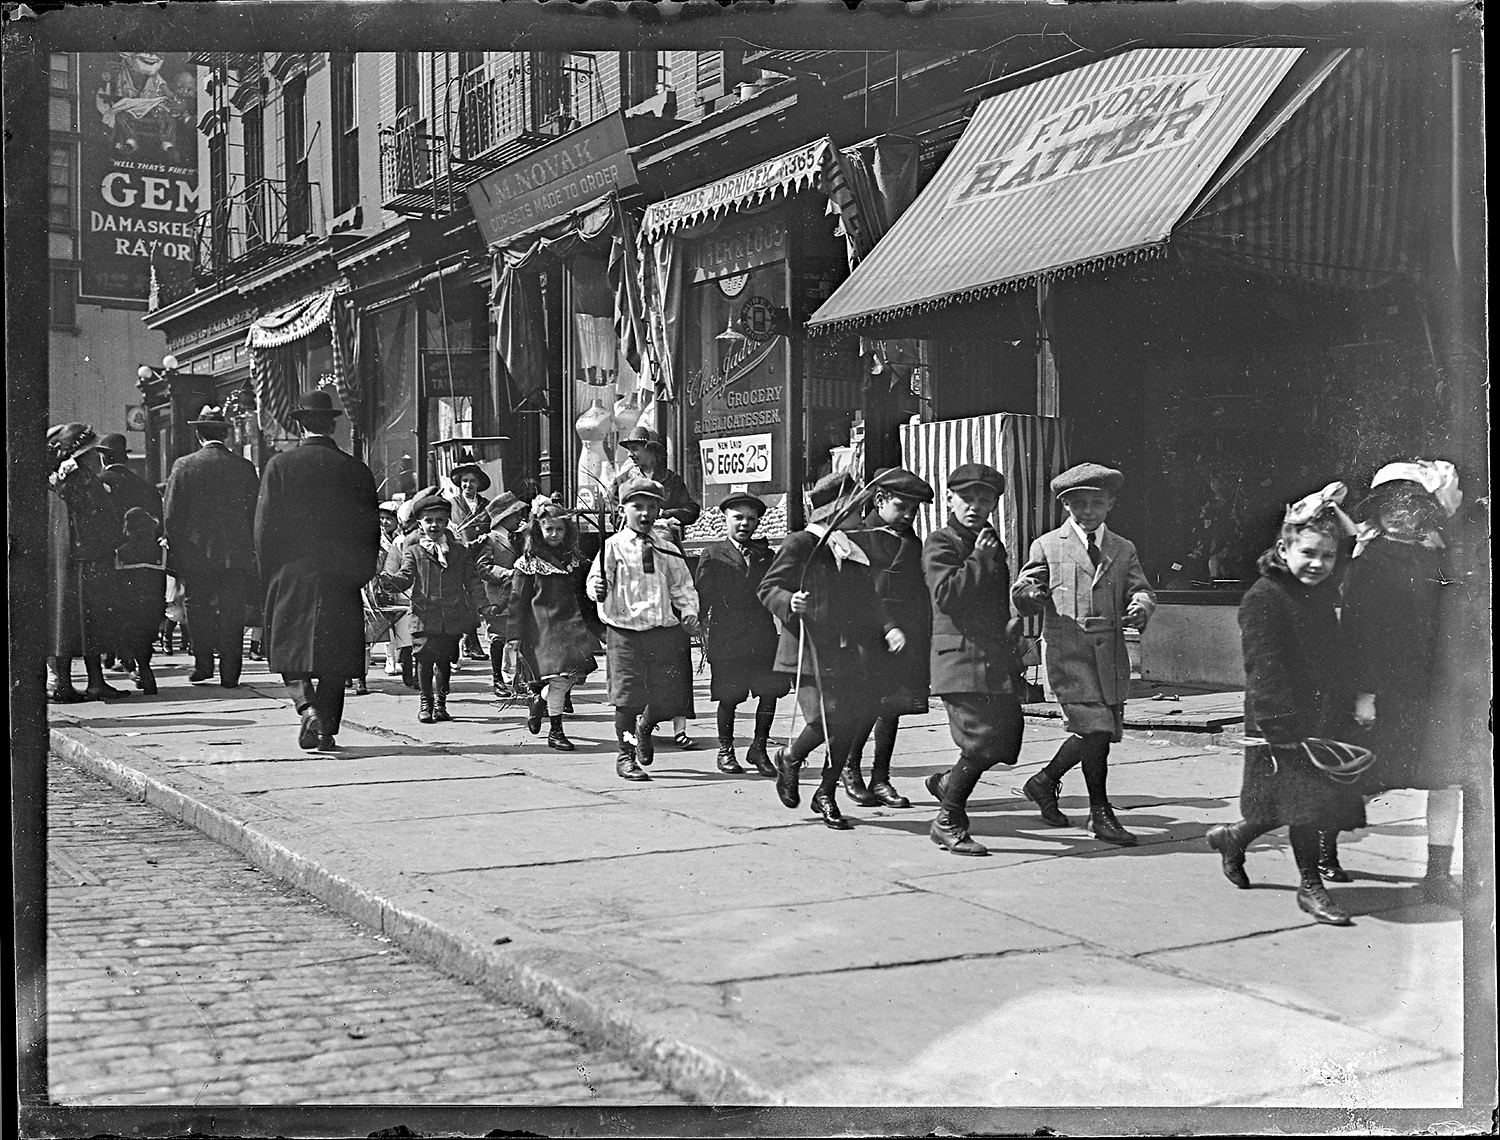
(491, 116)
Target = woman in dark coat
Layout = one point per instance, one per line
(1296, 689)
(903, 674)
(546, 616)
(1392, 596)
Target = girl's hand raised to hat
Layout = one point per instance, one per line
(801, 601)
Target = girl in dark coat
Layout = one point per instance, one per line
(546, 615)
(1295, 689)
(903, 675)
(446, 597)
(141, 585)
(1391, 601)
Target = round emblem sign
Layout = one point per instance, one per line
(734, 285)
(758, 318)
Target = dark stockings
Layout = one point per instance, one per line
(425, 670)
(497, 658)
(1092, 751)
(625, 720)
(765, 717)
(725, 720)
(1304, 840)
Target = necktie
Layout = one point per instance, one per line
(1094, 556)
(648, 555)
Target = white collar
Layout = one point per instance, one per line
(1083, 535)
(840, 545)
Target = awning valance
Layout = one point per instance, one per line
(1072, 172)
(786, 173)
(272, 370)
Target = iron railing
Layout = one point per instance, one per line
(256, 222)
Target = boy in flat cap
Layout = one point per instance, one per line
(740, 635)
(641, 589)
(903, 674)
(974, 667)
(1088, 585)
(820, 589)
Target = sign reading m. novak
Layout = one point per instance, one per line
(553, 180)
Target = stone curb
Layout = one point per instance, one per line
(682, 1066)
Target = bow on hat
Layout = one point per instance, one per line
(1437, 477)
(1306, 509)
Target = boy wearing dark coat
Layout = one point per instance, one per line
(974, 666)
(495, 555)
(740, 636)
(446, 597)
(903, 675)
(1088, 585)
(820, 590)
(1297, 696)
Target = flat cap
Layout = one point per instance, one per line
(432, 502)
(976, 474)
(743, 499)
(641, 486)
(1088, 477)
(907, 484)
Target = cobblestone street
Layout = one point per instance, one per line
(178, 974)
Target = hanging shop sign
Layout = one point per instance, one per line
(733, 254)
(137, 174)
(795, 170)
(553, 180)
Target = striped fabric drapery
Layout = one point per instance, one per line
(1027, 450)
(1335, 197)
(273, 370)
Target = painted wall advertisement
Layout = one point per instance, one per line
(138, 173)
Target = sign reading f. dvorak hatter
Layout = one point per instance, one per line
(1143, 117)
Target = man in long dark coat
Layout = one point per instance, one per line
(317, 538)
(210, 524)
(140, 579)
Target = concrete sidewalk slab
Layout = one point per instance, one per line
(747, 954)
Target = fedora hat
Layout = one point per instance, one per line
(314, 404)
(829, 496)
(210, 416)
(503, 506)
(643, 437)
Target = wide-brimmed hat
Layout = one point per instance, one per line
(743, 499)
(976, 475)
(829, 495)
(503, 506)
(1436, 477)
(114, 444)
(315, 404)
(467, 464)
(67, 441)
(1088, 477)
(210, 416)
(642, 487)
(643, 437)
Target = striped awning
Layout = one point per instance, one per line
(1072, 172)
(785, 174)
(273, 370)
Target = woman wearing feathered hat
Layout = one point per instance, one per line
(470, 521)
(1391, 599)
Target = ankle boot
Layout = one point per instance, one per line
(535, 713)
(146, 680)
(1229, 840)
(424, 708)
(1314, 898)
(854, 784)
(557, 738)
(726, 762)
(756, 755)
(1104, 825)
(440, 700)
(1041, 790)
(626, 767)
(1328, 858)
(645, 746)
(950, 831)
(823, 806)
(934, 785)
(882, 788)
(787, 771)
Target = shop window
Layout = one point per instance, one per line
(345, 133)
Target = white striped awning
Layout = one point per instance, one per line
(1071, 172)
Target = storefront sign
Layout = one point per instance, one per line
(736, 459)
(1145, 116)
(553, 180)
(791, 171)
(138, 173)
(728, 254)
(236, 321)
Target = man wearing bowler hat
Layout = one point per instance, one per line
(210, 526)
(648, 460)
(1088, 585)
(317, 538)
